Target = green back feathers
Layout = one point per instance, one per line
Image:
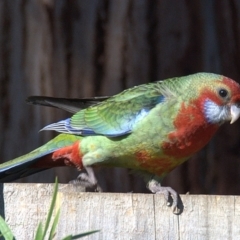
(119, 114)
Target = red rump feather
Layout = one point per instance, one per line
(70, 154)
(66, 156)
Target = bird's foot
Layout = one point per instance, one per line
(170, 195)
(87, 179)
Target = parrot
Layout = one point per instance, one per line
(150, 129)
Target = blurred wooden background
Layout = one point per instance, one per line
(82, 48)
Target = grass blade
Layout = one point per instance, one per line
(51, 208)
(5, 230)
(84, 234)
(54, 225)
(67, 238)
(70, 237)
(39, 233)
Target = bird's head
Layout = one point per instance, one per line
(220, 100)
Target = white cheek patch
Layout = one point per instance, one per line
(214, 113)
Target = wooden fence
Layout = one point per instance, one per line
(119, 215)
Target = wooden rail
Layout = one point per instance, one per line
(119, 215)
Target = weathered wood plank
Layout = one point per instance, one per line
(121, 216)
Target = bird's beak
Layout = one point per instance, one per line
(235, 113)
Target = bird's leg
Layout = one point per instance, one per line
(87, 179)
(168, 192)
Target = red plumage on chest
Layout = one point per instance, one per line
(192, 131)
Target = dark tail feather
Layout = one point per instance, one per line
(19, 170)
(72, 105)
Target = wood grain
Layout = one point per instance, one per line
(121, 216)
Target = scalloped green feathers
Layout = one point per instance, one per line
(119, 114)
(115, 116)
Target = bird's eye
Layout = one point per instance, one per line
(223, 92)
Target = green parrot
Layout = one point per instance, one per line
(150, 129)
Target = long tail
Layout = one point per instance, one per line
(61, 151)
(72, 105)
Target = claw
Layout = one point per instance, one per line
(170, 195)
(87, 179)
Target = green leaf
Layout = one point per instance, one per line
(70, 237)
(54, 225)
(51, 208)
(39, 233)
(84, 234)
(5, 230)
